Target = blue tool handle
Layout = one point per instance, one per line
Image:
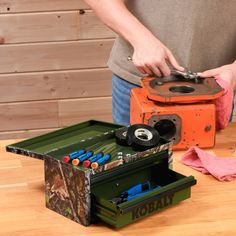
(130, 197)
(104, 159)
(74, 155)
(96, 157)
(135, 189)
(85, 156)
(139, 188)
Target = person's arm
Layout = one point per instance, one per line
(150, 55)
(226, 72)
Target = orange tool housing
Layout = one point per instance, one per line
(181, 110)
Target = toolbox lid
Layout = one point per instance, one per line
(40, 146)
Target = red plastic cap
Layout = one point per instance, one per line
(86, 163)
(66, 159)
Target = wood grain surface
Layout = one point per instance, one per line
(52, 26)
(54, 56)
(210, 211)
(51, 53)
(55, 85)
(13, 6)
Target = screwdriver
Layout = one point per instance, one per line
(81, 158)
(73, 155)
(101, 161)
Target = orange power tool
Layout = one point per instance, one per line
(181, 107)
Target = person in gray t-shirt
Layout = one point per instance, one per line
(155, 36)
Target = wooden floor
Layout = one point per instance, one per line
(210, 211)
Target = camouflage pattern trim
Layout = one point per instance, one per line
(107, 166)
(139, 155)
(68, 191)
(135, 157)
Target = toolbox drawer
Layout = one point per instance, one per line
(174, 188)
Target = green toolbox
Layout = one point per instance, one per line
(120, 186)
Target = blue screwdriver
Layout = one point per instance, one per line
(73, 155)
(101, 161)
(81, 158)
(140, 194)
(92, 159)
(77, 154)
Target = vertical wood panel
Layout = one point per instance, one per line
(22, 134)
(37, 27)
(30, 115)
(77, 110)
(53, 66)
(55, 85)
(12, 6)
(52, 26)
(54, 56)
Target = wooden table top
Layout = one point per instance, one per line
(210, 211)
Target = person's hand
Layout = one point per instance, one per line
(153, 57)
(150, 55)
(227, 73)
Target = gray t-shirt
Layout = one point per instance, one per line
(200, 33)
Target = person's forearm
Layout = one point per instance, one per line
(116, 16)
(150, 56)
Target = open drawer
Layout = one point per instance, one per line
(174, 188)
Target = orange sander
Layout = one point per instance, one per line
(181, 107)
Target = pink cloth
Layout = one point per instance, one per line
(223, 169)
(223, 104)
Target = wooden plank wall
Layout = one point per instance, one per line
(53, 71)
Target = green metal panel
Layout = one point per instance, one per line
(39, 146)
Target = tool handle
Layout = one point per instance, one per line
(76, 154)
(85, 156)
(96, 157)
(104, 159)
(138, 195)
(139, 188)
(130, 197)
